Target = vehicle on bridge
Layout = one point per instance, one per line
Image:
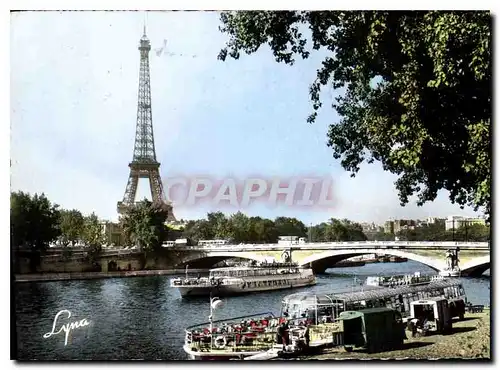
(214, 242)
(290, 240)
(227, 281)
(183, 242)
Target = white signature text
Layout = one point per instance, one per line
(65, 327)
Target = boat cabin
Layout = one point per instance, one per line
(239, 272)
(317, 308)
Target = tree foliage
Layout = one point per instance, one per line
(93, 237)
(437, 232)
(263, 230)
(417, 90)
(33, 224)
(71, 223)
(144, 225)
(33, 221)
(290, 226)
(198, 230)
(344, 230)
(337, 230)
(381, 236)
(239, 228)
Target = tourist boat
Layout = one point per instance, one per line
(227, 281)
(237, 338)
(329, 305)
(308, 315)
(450, 273)
(398, 280)
(319, 313)
(223, 340)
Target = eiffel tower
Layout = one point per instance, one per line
(144, 163)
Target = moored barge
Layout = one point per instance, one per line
(229, 281)
(311, 319)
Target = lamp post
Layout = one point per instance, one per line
(215, 303)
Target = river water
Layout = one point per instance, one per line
(143, 318)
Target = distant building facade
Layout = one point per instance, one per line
(369, 227)
(456, 222)
(389, 227)
(395, 226)
(430, 221)
(113, 233)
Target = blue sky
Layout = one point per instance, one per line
(74, 78)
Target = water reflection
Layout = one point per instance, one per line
(143, 318)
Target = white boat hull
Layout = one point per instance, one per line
(447, 273)
(217, 355)
(237, 289)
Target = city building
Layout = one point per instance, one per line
(404, 225)
(113, 233)
(394, 227)
(369, 227)
(456, 222)
(430, 221)
(389, 227)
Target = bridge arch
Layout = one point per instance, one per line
(476, 267)
(208, 259)
(321, 261)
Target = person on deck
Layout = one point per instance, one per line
(283, 334)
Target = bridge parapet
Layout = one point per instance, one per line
(333, 245)
(322, 258)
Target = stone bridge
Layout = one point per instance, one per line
(474, 257)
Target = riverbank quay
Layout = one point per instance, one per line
(59, 276)
(469, 340)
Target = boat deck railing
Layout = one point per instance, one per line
(204, 282)
(240, 334)
(234, 342)
(232, 320)
(408, 280)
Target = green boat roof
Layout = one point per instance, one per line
(365, 312)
